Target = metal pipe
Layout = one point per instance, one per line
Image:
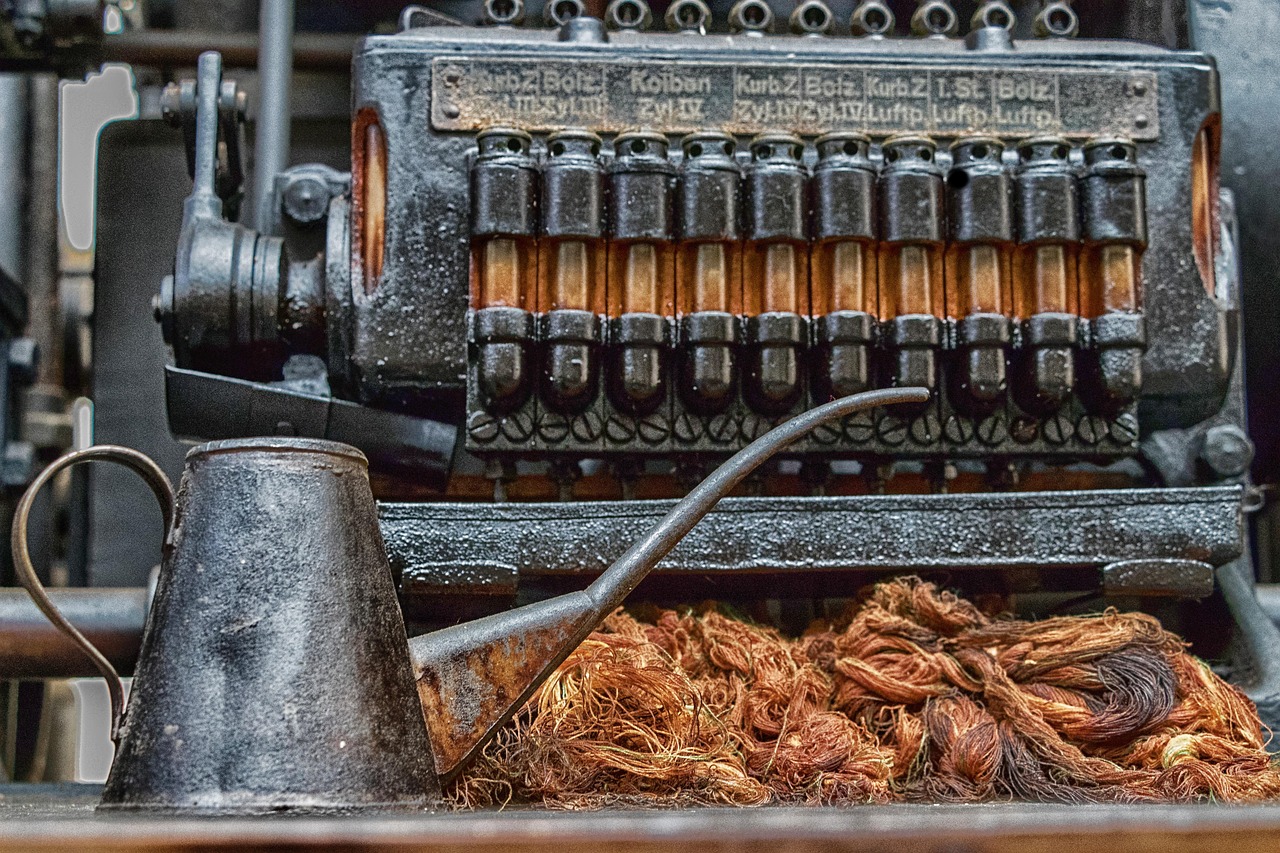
(13, 173)
(32, 647)
(173, 48)
(275, 84)
(1260, 635)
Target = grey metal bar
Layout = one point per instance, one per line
(433, 543)
(170, 48)
(31, 647)
(275, 76)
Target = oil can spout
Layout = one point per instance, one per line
(472, 678)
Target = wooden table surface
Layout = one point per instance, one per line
(40, 817)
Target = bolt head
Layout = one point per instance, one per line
(306, 199)
(1227, 450)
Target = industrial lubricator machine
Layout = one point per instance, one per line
(581, 248)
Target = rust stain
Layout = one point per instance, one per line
(470, 693)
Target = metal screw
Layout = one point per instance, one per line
(687, 428)
(1091, 429)
(754, 426)
(1124, 429)
(653, 429)
(958, 430)
(925, 429)
(826, 434)
(722, 429)
(306, 199)
(620, 429)
(587, 426)
(992, 430)
(482, 426)
(554, 428)
(518, 427)
(860, 428)
(1058, 429)
(892, 430)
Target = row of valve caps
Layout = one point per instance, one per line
(863, 272)
(873, 18)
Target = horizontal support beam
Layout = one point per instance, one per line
(473, 547)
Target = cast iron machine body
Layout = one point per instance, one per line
(571, 246)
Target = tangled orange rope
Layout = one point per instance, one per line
(917, 696)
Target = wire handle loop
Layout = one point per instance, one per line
(156, 479)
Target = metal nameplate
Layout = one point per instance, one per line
(539, 94)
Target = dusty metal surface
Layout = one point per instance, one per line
(428, 543)
(274, 671)
(44, 817)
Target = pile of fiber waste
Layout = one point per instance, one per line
(914, 696)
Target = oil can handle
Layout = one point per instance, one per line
(155, 478)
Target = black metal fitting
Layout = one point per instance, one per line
(776, 340)
(502, 337)
(910, 192)
(708, 375)
(1048, 214)
(573, 186)
(1048, 203)
(504, 203)
(641, 209)
(571, 370)
(844, 189)
(1056, 20)
(628, 15)
(503, 13)
(871, 18)
(572, 208)
(843, 340)
(641, 188)
(935, 18)
(980, 212)
(636, 378)
(1113, 193)
(753, 17)
(688, 16)
(777, 212)
(812, 18)
(777, 207)
(980, 193)
(1048, 373)
(223, 315)
(504, 185)
(911, 211)
(559, 12)
(1114, 206)
(844, 208)
(1119, 340)
(993, 13)
(914, 339)
(710, 184)
(984, 342)
(709, 204)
